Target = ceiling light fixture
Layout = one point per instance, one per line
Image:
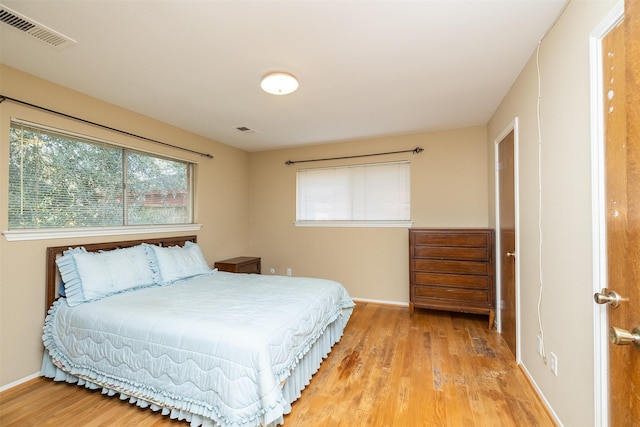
(279, 83)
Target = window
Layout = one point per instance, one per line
(61, 180)
(370, 194)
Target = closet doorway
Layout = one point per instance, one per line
(506, 231)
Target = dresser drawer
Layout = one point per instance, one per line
(452, 239)
(454, 253)
(451, 294)
(449, 266)
(452, 280)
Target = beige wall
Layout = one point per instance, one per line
(448, 189)
(567, 303)
(222, 208)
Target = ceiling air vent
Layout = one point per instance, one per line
(34, 28)
(246, 130)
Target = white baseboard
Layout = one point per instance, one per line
(542, 397)
(20, 381)
(376, 301)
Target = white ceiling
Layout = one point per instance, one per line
(366, 68)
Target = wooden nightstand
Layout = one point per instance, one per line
(241, 264)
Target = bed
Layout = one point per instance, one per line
(151, 322)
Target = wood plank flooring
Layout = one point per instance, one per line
(389, 369)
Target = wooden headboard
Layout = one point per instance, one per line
(53, 252)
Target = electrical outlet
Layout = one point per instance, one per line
(288, 272)
(539, 345)
(554, 364)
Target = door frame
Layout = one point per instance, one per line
(513, 126)
(598, 171)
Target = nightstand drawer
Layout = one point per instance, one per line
(242, 264)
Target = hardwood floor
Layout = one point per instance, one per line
(389, 369)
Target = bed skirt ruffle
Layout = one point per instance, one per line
(292, 386)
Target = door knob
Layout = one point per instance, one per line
(511, 254)
(606, 296)
(619, 336)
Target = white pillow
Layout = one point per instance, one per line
(89, 276)
(175, 262)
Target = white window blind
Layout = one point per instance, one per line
(369, 193)
(62, 180)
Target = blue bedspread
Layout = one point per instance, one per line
(218, 347)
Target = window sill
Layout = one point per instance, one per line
(62, 233)
(372, 224)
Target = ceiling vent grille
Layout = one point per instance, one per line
(246, 130)
(34, 28)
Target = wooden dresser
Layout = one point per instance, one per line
(452, 269)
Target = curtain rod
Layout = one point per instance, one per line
(416, 150)
(17, 101)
